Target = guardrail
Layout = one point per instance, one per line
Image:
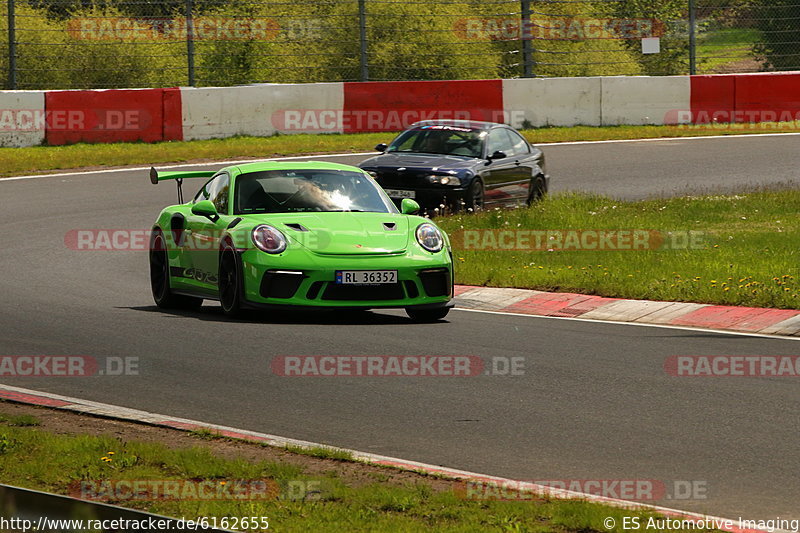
(29, 118)
(25, 510)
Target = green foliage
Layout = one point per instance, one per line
(6, 443)
(779, 22)
(54, 54)
(674, 56)
(416, 41)
(22, 420)
(273, 55)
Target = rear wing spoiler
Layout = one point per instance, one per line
(178, 176)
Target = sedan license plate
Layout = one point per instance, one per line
(366, 277)
(399, 193)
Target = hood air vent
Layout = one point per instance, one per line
(297, 227)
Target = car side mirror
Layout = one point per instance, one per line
(381, 147)
(499, 154)
(409, 206)
(206, 209)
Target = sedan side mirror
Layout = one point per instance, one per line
(206, 209)
(498, 155)
(409, 206)
(381, 147)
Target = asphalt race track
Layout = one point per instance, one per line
(594, 402)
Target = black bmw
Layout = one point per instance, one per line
(460, 164)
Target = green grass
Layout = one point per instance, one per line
(38, 159)
(748, 256)
(322, 452)
(719, 48)
(33, 458)
(20, 420)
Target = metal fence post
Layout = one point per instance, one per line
(526, 35)
(362, 39)
(190, 40)
(692, 38)
(12, 47)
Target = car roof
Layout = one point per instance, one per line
(261, 166)
(472, 124)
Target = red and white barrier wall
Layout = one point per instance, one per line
(254, 110)
(122, 115)
(21, 118)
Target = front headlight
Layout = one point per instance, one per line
(451, 181)
(269, 239)
(429, 237)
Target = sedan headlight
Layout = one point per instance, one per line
(451, 181)
(429, 237)
(269, 239)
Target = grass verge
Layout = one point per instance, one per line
(721, 48)
(363, 498)
(744, 249)
(37, 159)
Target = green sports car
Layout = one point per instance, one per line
(297, 235)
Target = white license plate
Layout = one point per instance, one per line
(399, 193)
(366, 277)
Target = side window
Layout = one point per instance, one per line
(218, 192)
(202, 194)
(520, 144)
(499, 140)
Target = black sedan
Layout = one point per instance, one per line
(460, 164)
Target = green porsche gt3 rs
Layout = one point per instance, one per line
(303, 235)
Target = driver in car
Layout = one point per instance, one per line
(434, 144)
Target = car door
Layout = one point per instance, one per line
(525, 164)
(205, 233)
(500, 173)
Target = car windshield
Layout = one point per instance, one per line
(449, 140)
(291, 191)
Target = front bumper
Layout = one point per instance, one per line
(433, 198)
(308, 280)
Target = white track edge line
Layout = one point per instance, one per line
(641, 324)
(235, 162)
(655, 139)
(126, 413)
(176, 165)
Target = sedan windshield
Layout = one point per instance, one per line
(292, 191)
(448, 140)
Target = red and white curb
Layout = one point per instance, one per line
(55, 401)
(753, 320)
